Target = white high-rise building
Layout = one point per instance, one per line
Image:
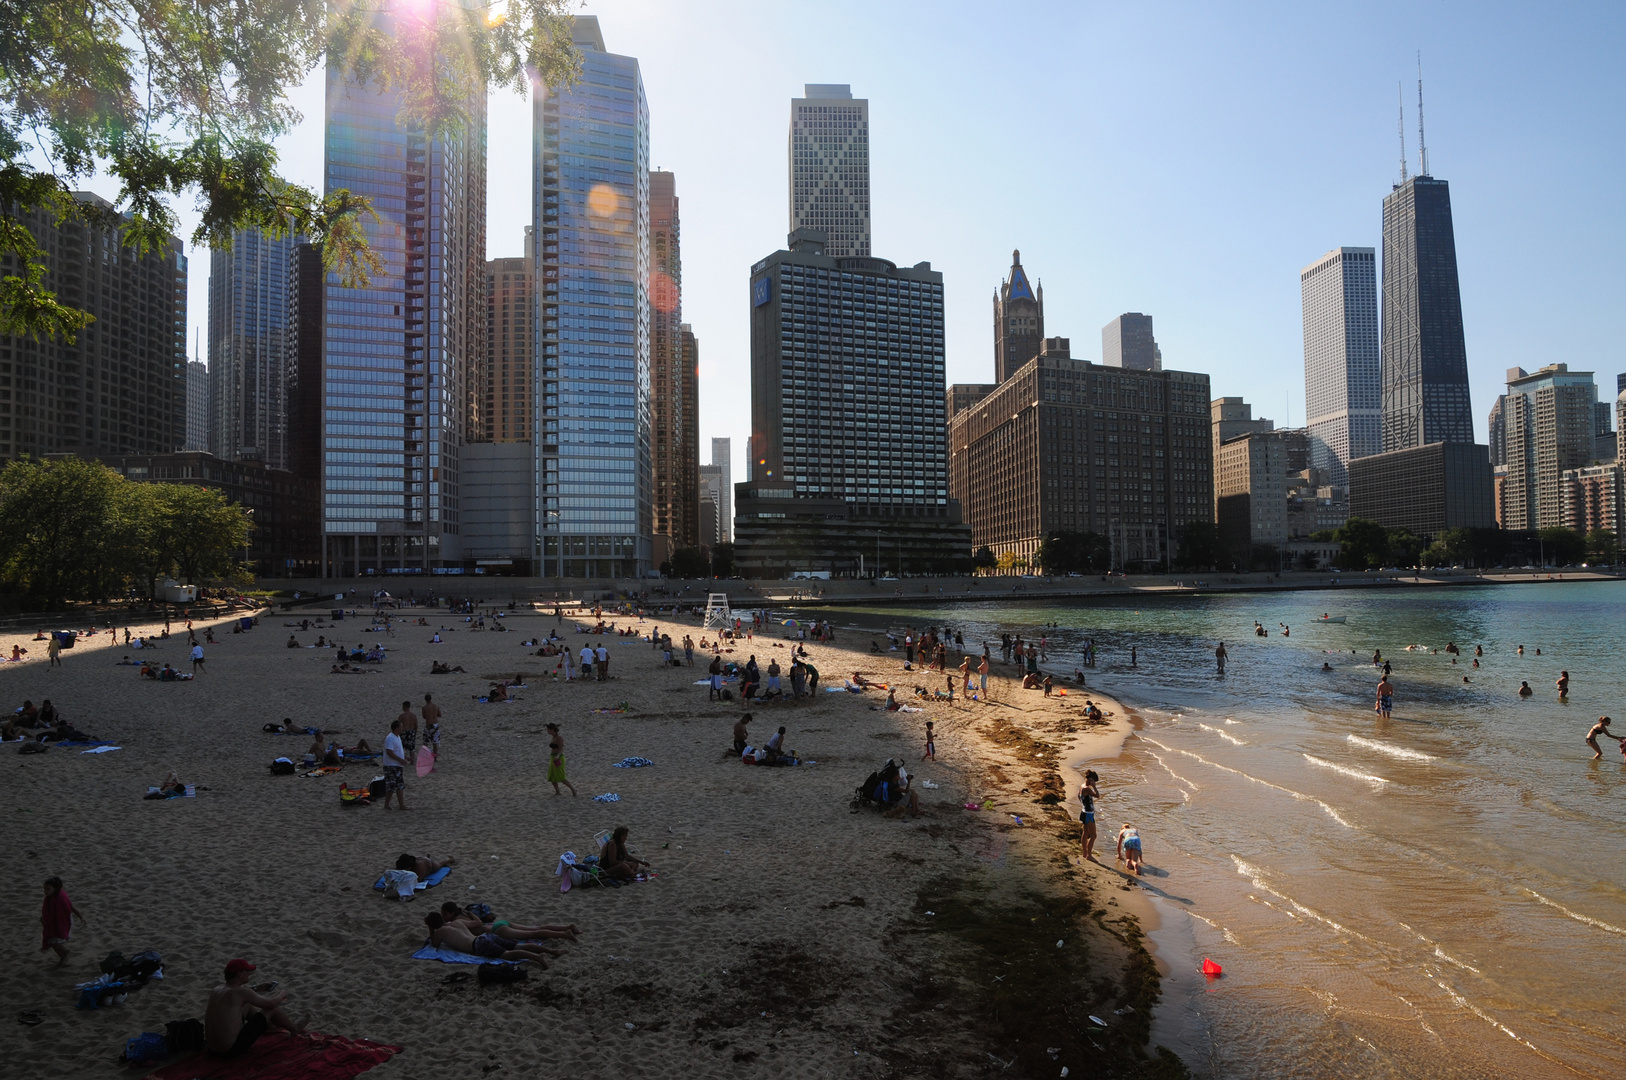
(829, 167)
(722, 454)
(1343, 391)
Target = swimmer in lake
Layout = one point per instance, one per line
(1602, 728)
(1563, 685)
(1325, 666)
(1524, 689)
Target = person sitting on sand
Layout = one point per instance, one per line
(892, 700)
(509, 931)
(459, 938)
(776, 749)
(237, 1015)
(740, 733)
(498, 692)
(616, 860)
(18, 653)
(1129, 847)
(895, 791)
(422, 866)
(293, 642)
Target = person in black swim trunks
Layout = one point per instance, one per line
(459, 938)
(238, 1014)
(1087, 795)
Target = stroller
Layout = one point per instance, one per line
(879, 790)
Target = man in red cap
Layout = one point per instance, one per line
(238, 1014)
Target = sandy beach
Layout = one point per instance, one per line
(783, 936)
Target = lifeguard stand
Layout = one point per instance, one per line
(717, 613)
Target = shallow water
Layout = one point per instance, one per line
(1440, 894)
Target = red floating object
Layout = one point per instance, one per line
(1211, 969)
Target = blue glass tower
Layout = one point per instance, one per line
(400, 356)
(591, 221)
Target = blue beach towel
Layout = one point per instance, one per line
(434, 879)
(431, 951)
(633, 763)
(608, 796)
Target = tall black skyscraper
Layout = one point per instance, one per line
(1424, 361)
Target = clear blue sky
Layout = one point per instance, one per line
(1184, 160)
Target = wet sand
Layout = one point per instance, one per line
(783, 936)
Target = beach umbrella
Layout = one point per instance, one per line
(789, 622)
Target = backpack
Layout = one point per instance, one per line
(728, 695)
(185, 1035)
(148, 1046)
(282, 768)
(145, 966)
(500, 974)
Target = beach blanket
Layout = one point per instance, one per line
(85, 742)
(324, 770)
(431, 951)
(633, 763)
(102, 749)
(608, 796)
(191, 792)
(433, 879)
(277, 1055)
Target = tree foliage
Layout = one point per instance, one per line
(722, 561)
(76, 530)
(1561, 547)
(984, 559)
(1201, 545)
(1075, 553)
(690, 563)
(170, 98)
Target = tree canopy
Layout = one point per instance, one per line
(75, 530)
(172, 98)
(1067, 552)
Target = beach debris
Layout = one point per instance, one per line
(1097, 1020)
(929, 785)
(1059, 943)
(1064, 1070)
(1211, 969)
(1125, 1011)
(973, 806)
(1016, 819)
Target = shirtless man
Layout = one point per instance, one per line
(421, 866)
(1386, 697)
(508, 931)
(740, 733)
(1602, 728)
(1219, 657)
(237, 1014)
(459, 938)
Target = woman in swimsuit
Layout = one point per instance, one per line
(1087, 795)
(556, 761)
(616, 860)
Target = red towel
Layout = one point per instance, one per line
(277, 1055)
(56, 918)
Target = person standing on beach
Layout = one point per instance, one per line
(1087, 796)
(197, 659)
(982, 675)
(431, 725)
(1386, 697)
(1219, 657)
(602, 656)
(409, 730)
(587, 662)
(57, 914)
(931, 744)
(556, 760)
(54, 651)
(395, 766)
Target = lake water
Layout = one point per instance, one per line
(1440, 894)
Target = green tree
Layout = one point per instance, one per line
(690, 563)
(1405, 548)
(984, 558)
(1560, 546)
(722, 561)
(172, 98)
(1600, 545)
(1364, 544)
(53, 519)
(1201, 545)
(195, 531)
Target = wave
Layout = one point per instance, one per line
(1391, 750)
(1256, 876)
(1576, 915)
(1184, 794)
(1353, 773)
(1228, 738)
(1299, 795)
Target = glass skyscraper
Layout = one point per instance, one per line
(248, 323)
(1425, 360)
(1343, 392)
(592, 388)
(401, 356)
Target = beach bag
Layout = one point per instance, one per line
(184, 1036)
(112, 962)
(728, 695)
(145, 966)
(148, 1046)
(282, 768)
(376, 788)
(500, 974)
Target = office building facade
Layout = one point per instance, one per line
(1549, 418)
(402, 355)
(847, 466)
(592, 389)
(1593, 499)
(711, 498)
(1425, 488)
(674, 381)
(1067, 445)
(510, 369)
(1343, 388)
(120, 387)
(829, 167)
(1018, 322)
(197, 406)
(248, 348)
(1128, 342)
(1425, 358)
(722, 460)
(1250, 493)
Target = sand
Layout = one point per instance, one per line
(783, 936)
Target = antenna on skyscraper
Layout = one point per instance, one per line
(1422, 144)
(1400, 95)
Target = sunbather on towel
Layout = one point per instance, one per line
(459, 938)
(421, 866)
(508, 931)
(238, 1014)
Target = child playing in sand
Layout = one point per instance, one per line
(1129, 847)
(56, 919)
(931, 745)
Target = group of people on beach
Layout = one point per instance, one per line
(1129, 848)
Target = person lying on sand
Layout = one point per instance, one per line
(450, 913)
(421, 866)
(459, 938)
(237, 1015)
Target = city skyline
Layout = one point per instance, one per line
(1500, 84)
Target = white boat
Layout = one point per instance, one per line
(1330, 618)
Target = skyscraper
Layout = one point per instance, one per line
(847, 460)
(248, 348)
(829, 167)
(402, 355)
(120, 387)
(1549, 420)
(590, 210)
(197, 406)
(510, 367)
(722, 459)
(1343, 389)
(1127, 342)
(1018, 321)
(674, 388)
(1425, 359)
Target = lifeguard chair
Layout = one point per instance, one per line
(717, 612)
